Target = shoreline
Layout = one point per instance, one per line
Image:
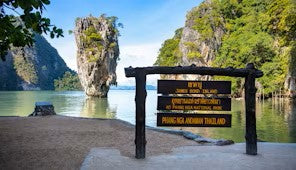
(185, 133)
(55, 142)
(62, 142)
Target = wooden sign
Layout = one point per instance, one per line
(193, 103)
(193, 87)
(193, 120)
(250, 73)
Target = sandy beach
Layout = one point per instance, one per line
(59, 142)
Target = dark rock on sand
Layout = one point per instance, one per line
(43, 109)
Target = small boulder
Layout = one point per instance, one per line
(224, 142)
(43, 109)
(191, 136)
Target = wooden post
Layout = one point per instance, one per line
(250, 91)
(140, 113)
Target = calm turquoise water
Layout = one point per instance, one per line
(276, 121)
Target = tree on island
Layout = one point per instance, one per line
(69, 81)
(19, 20)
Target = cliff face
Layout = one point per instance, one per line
(9, 80)
(32, 68)
(290, 82)
(196, 47)
(234, 33)
(97, 54)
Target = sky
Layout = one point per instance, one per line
(147, 24)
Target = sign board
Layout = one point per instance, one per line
(250, 73)
(193, 120)
(193, 103)
(193, 87)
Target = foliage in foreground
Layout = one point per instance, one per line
(17, 29)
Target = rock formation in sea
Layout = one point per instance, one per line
(32, 68)
(97, 53)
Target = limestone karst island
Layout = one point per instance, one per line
(195, 84)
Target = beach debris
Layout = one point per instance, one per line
(197, 138)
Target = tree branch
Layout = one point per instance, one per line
(13, 9)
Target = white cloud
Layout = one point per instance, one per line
(138, 55)
(66, 48)
(68, 53)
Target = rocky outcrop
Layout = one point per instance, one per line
(43, 109)
(32, 68)
(195, 47)
(223, 34)
(290, 86)
(195, 137)
(290, 82)
(97, 53)
(220, 34)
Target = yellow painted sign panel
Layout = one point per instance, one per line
(193, 120)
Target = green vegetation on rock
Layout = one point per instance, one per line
(69, 81)
(193, 50)
(169, 53)
(93, 40)
(114, 24)
(205, 22)
(25, 69)
(259, 31)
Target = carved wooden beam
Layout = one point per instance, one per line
(229, 71)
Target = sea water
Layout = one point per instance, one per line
(276, 118)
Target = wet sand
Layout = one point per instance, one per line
(59, 142)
